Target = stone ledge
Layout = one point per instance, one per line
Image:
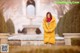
(30, 37)
(4, 35)
(71, 34)
(68, 36)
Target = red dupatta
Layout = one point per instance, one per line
(48, 19)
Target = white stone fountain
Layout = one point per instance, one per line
(31, 14)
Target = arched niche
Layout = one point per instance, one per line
(31, 9)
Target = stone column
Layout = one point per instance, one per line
(4, 41)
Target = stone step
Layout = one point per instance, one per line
(24, 43)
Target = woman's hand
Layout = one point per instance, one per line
(49, 31)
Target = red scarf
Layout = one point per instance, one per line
(48, 19)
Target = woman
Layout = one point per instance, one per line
(49, 25)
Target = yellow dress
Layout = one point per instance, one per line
(49, 31)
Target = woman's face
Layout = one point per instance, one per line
(48, 15)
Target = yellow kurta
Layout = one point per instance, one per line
(49, 31)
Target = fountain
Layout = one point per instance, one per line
(31, 14)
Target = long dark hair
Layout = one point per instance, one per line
(49, 14)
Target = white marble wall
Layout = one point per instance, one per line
(17, 12)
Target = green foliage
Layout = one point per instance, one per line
(70, 23)
(59, 28)
(38, 31)
(3, 27)
(75, 41)
(10, 26)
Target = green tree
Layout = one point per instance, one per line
(3, 27)
(10, 26)
(70, 23)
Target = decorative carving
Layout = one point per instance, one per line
(31, 2)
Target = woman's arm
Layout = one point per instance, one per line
(45, 28)
(52, 26)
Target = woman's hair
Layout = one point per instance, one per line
(49, 14)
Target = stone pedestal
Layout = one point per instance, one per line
(68, 36)
(31, 29)
(3, 40)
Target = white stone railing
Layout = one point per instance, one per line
(68, 36)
